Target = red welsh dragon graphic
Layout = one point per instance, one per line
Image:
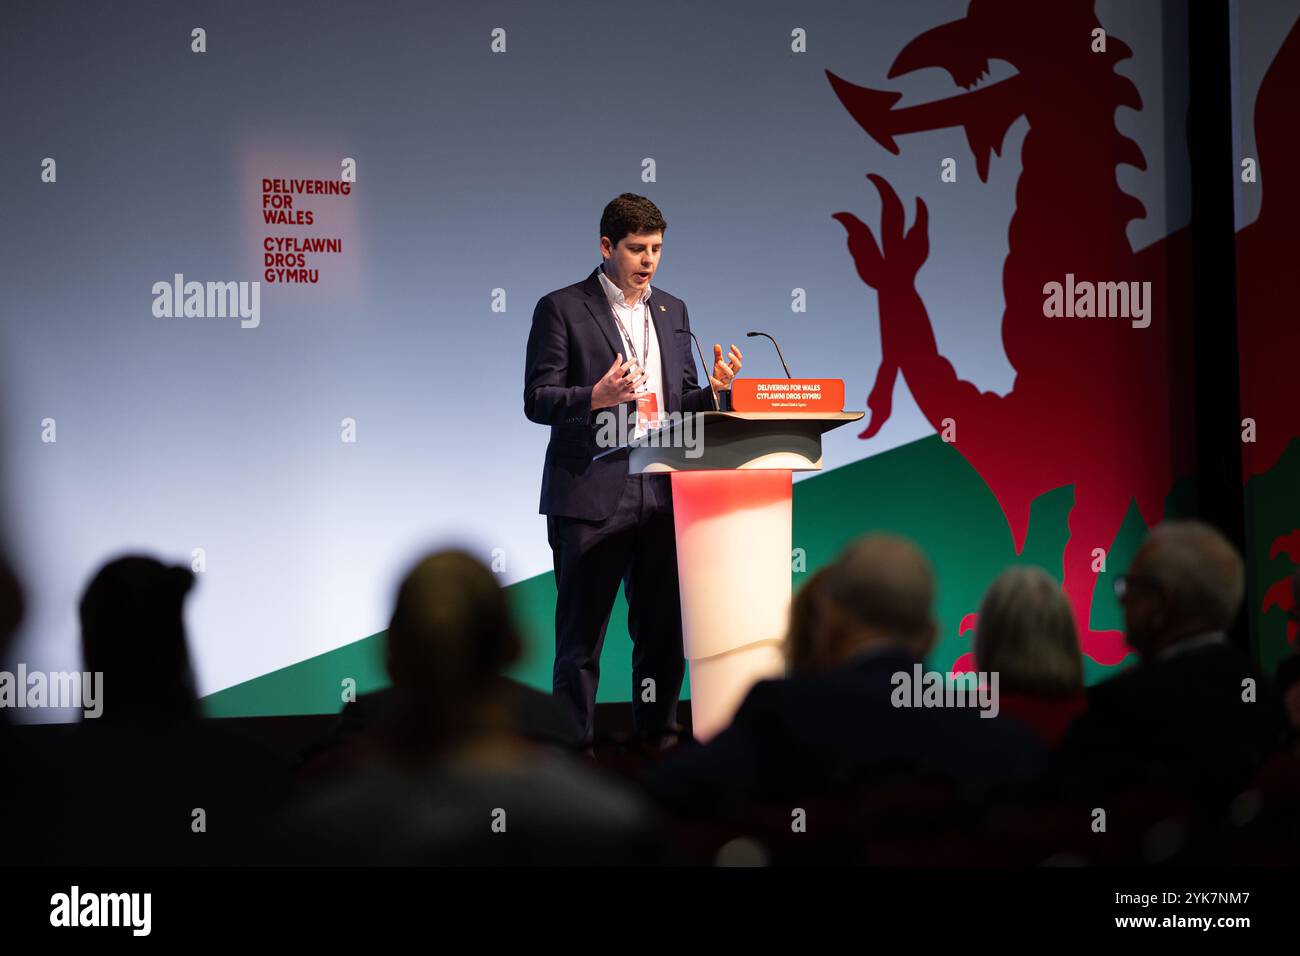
(1092, 398)
(1269, 335)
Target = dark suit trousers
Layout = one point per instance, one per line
(634, 545)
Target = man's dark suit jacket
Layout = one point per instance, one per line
(572, 344)
(1178, 723)
(807, 736)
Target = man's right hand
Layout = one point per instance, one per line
(620, 384)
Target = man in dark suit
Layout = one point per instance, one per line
(608, 341)
(1193, 716)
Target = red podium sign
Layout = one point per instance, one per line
(787, 395)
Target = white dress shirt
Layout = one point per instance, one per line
(632, 319)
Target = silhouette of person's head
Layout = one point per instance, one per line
(450, 637)
(805, 622)
(133, 632)
(1186, 579)
(880, 590)
(1026, 633)
(11, 605)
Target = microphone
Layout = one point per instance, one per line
(778, 351)
(707, 377)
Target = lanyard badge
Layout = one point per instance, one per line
(647, 403)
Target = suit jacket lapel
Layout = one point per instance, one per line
(666, 334)
(598, 306)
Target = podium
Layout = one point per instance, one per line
(731, 483)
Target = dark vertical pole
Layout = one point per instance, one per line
(1219, 497)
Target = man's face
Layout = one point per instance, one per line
(632, 263)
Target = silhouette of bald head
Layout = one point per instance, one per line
(1186, 579)
(879, 589)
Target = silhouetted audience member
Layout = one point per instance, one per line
(1026, 633)
(32, 794)
(366, 723)
(133, 632)
(801, 652)
(11, 605)
(453, 782)
(1193, 717)
(152, 782)
(833, 721)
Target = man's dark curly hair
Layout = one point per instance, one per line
(630, 214)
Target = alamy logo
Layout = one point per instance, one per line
(53, 689)
(977, 690)
(1084, 300)
(671, 430)
(103, 909)
(200, 300)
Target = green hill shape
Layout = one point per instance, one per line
(924, 490)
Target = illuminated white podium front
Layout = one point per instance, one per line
(731, 484)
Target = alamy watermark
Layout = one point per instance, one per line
(670, 430)
(1085, 300)
(75, 908)
(39, 689)
(199, 300)
(977, 690)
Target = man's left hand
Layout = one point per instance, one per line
(724, 372)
